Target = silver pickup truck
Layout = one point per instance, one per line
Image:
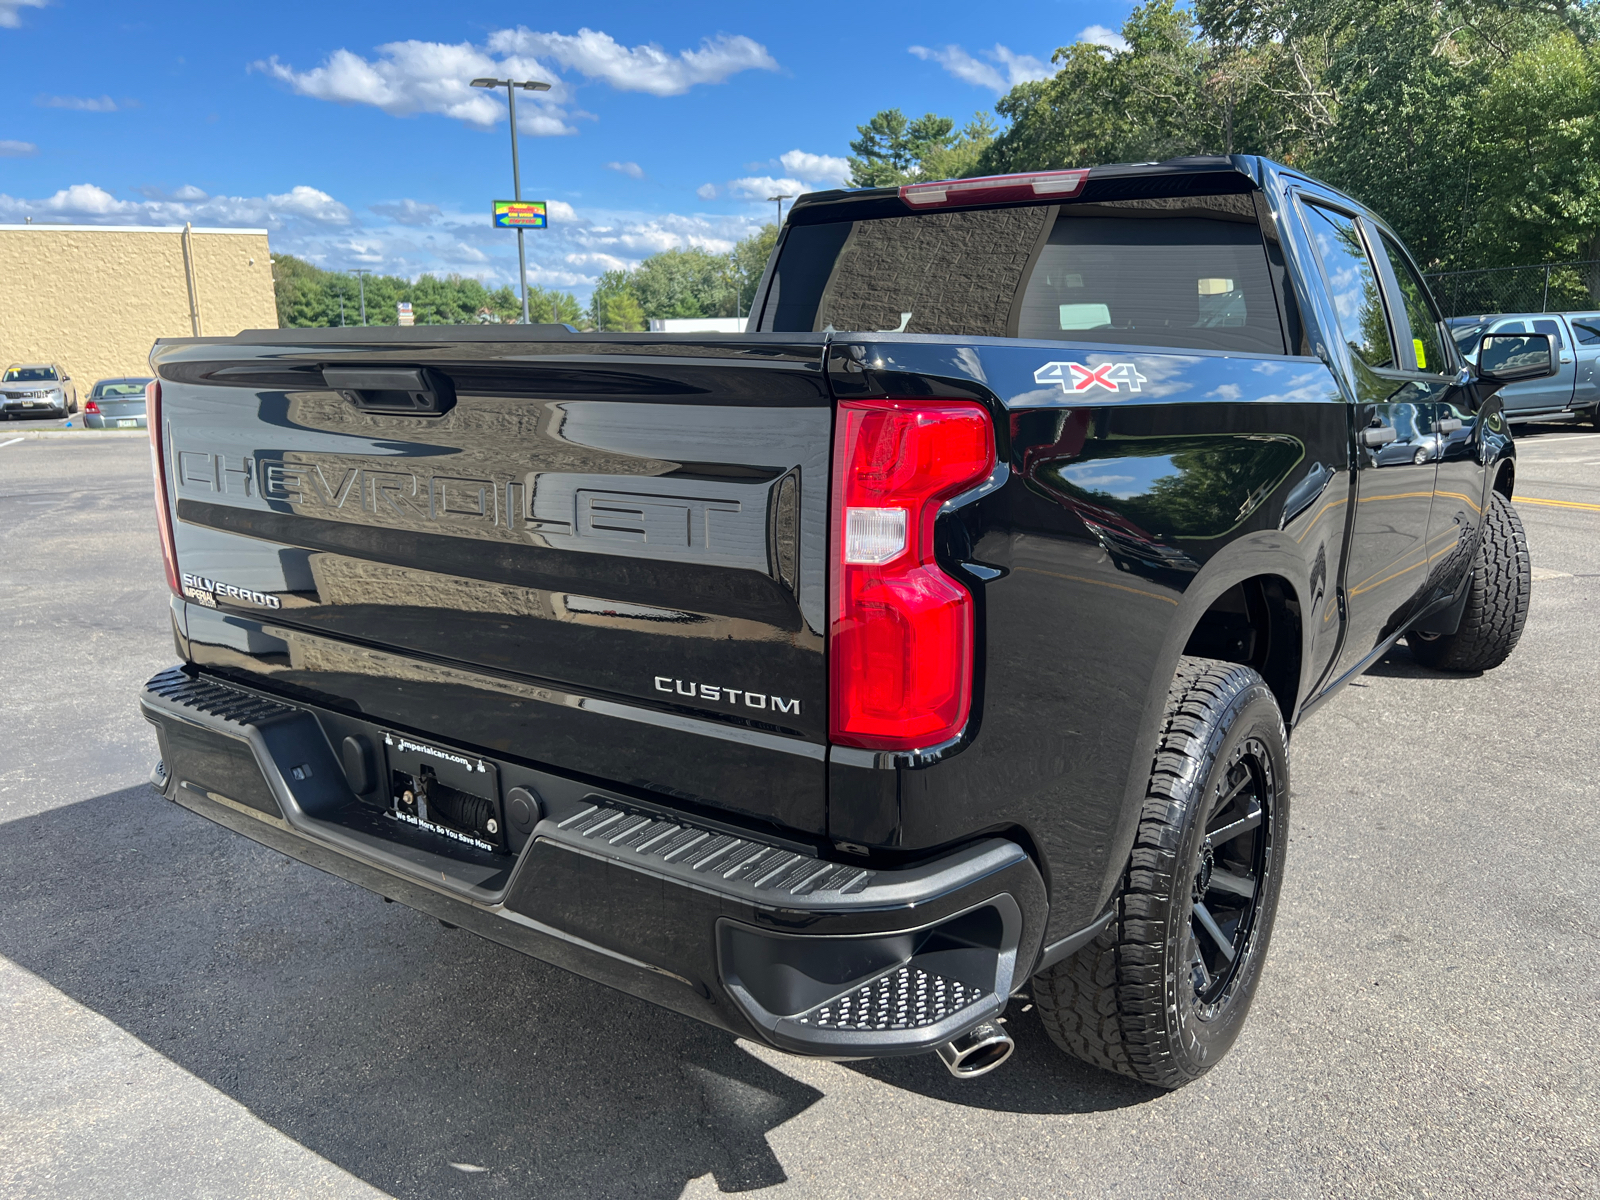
(1574, 388)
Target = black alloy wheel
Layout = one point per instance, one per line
(1229, 870)
(1162, 994)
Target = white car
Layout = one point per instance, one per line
(37, 390)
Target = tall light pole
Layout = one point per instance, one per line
(511, 86)
(361, 274)
(780, 200)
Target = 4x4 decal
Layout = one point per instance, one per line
(1075, 377)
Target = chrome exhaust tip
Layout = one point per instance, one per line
(976, 1052)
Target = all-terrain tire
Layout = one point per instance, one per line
(1132, 1001)
(1499, 591)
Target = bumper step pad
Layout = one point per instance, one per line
(214, 699)
(909, 998)
(763, 867)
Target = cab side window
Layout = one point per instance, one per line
(1423, 318)
(1553, 328)
(1352, 285)
(1587, 333)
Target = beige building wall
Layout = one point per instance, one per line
(95, 298)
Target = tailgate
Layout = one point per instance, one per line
(635, 525)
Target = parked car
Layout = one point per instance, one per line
(37, 390)
(1574, 388)
(833, 682)
(116, 404)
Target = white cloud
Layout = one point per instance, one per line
(816, 168)
(762, 187)
(631, 169)
(807, 172)
(78, 103)
(17, 149)
(411, 77)
(409, 212)
(187, 192)
(300, 206)
(646, 68)
(1099, 35)
(408, 237)
(308, 202)
(11, 11)
(420, 77)
(88, 200)
(1004, 70)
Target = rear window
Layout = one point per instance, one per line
(120, 389)
(1189, 272)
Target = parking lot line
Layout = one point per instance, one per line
(1555, 503)
(12, 442)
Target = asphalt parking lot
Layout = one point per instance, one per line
(186, 1014)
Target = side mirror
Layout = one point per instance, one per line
(1513, 357)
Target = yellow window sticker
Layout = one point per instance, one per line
(1422, 355)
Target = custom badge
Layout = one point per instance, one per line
(1075, 377)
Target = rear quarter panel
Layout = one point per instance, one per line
(1115, 520)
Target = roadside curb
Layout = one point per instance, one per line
(82, 434)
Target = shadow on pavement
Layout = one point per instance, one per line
(1038, 1078)
(1399, 664)
(368, 1033)
(393, 1046)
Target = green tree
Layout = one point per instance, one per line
(749, 263)
(893, 150)
(682, 283)
(1539, 150)
(614, 306)
(307, 295)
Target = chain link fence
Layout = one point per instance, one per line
(1552, 287)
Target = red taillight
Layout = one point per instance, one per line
(158, 463)
(90, 406)
(995, 189)
(900, 650)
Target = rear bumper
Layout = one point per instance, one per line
(768, 939)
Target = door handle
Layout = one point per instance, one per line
(1378, 435)
(1566, 358)
(415, 391)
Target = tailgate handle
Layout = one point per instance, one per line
(415, 391)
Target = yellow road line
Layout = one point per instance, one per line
(1556, 503)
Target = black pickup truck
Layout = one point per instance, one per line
(935, 640)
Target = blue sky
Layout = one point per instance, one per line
(345, 129)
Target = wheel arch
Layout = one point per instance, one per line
(1263, 579)
(1505, 477)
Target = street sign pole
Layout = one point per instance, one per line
(516, 185)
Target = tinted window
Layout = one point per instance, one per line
(1352, 285)
(1553, 328)
(1189, 272)
(1467, 339)
(1420, 313)
(30, 375)
(1587, 335)
(1154, 278)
